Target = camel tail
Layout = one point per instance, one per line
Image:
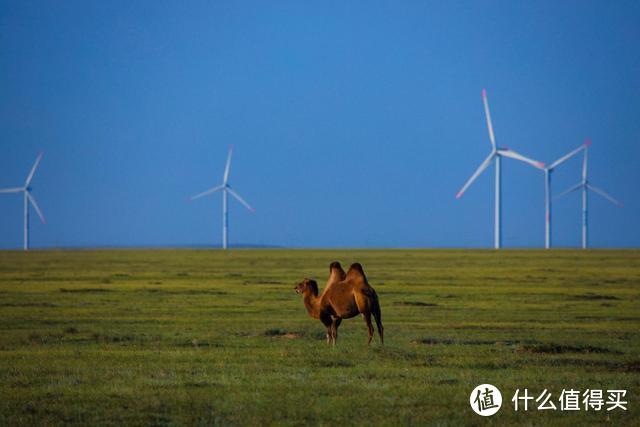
(377, 315)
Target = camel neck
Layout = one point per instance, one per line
(311, 303)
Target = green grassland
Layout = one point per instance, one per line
(203, 337)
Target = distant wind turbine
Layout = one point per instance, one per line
(225, 188)
(496, 154)
(586, 185)
(28, 198)
(547, 190)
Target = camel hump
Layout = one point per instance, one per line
(356, 266)
(356, 270)
(335, 265)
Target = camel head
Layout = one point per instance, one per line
(307, 286)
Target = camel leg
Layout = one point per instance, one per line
(328, 323)
(378, 317)
(335, 324)
(364, 307)
(367, 319)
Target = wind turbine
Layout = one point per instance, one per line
(225, 188)
(547, 190)
(586, 185)
(28, 198)
(496, 154)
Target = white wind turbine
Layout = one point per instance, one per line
(586, 185)
(547, 190)
(225, 188)
(28, 198)
(496, 154)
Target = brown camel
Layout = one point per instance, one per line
(343, 299)
(312, 300)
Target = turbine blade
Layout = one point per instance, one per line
(206, 193)
(567, 156)
(35, 206)
(12, 190)
(227, 166)
(569, 190)
(487, 113)
(584, 160)
(481, 168)
(518, 156)
(604, 194)
(240, 199)
(33, 169)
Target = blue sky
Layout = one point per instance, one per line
(354, 123)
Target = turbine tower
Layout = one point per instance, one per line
(225, 188)
(586, 185)
(547, 190)
(496, 154)
(28, 198)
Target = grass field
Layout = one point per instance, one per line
(206, 337)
